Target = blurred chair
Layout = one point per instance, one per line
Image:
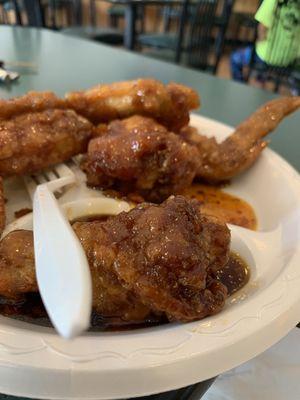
(116, 14)
(102, 34)
(207, 35)
(58, 10)
(203, 43)
(171, 15)
(35, 12)
(243, 23)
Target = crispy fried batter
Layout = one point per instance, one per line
(110, 298)
(152, 259)
(222, 161)
(30, 102)
(2, 207)
(168, 104)
(17, 273)
(36, 132)
(138, 154)
(164, 253)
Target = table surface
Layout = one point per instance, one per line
(65, 63)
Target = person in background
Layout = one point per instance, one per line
(278, 41)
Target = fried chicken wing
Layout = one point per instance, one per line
(222, 161)
(110, 299)
(2, 207)
(36, 131)
(168, 104)
(17, 273)
(164, 253)
(157, 259)
(30, 102)
(138, 154)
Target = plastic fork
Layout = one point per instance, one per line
(62, 268)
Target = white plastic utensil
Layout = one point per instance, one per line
(62, 268)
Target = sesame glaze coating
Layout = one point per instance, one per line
(139, 155)
(155, 259)
(37, 131)
(168, 104)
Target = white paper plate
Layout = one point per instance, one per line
(35, 362)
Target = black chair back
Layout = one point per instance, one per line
(34, 13)
(209, 21)
(71, 9)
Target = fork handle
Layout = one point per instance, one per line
(62, 269)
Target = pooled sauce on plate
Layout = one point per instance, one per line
(213, 201)
(234, 275)
(229, 208)
(91, 218)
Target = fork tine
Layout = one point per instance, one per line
(40, 178)
(50, 175)
(57, 177)
(62, 170)
(77, 160)
(30, 185)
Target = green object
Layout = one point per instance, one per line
(282, 45)
(65, 63)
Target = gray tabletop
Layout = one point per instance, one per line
(65, 63)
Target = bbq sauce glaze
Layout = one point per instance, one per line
(212, 200)
(228, 208)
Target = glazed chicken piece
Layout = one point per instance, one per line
(30, 102)
(37, 131)
(168, 104)
(221, 161)
(139, 155)
(154, 259)
(2, 207)
(17, 273)
(110, 299)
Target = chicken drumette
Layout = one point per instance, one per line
(157, 259)
(169, 104)
(36, 131)
(139, 155)
(2, 207)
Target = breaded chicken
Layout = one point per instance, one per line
(139, 155)
(153, 259)
(169, 104)
(222, 161)
(2, 207)
(36, 131)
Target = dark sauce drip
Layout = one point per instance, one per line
(30, 308)
(234, 275)
(91, 218)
